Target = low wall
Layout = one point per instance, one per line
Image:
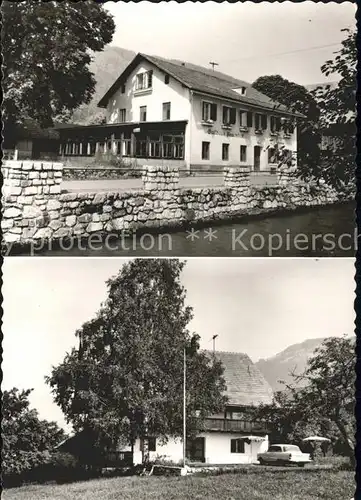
(35, 208)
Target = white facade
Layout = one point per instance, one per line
(187, 105)
(217, 135)
(217, 449)
(153, 98)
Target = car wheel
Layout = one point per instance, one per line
(262, 462)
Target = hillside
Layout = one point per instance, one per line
(292, 359)
(106, 66)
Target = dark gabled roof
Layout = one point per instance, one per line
(246, 386)
(202, 80)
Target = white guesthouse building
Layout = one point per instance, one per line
(169, 112)
(230, 437)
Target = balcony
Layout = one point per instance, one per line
(228, 425)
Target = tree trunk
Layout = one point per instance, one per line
(145, 451)
(348, 441)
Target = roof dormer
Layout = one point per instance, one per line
(241, 90)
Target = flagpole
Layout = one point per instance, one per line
(184, 407)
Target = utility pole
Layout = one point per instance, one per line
(184, 407)
(214, 343)
(213, 64)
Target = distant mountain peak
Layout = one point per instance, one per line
(293, 359)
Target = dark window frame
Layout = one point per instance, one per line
(243, 153)
(229, 115)
(237, 446)
(166, 110)
(225, 151)
(143, 109)
(209, 111)
(206, 148)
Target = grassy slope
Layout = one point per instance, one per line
(290, 485)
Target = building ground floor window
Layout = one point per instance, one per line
(141, 144)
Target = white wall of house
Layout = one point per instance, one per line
(153, 98)
(216, 136)
(172, 451)
(218, 449)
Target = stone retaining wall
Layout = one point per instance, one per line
(34, 207)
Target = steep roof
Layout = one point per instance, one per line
(246, 386)
(200, 79)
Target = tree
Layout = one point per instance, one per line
(338, 112)
(46, 56)
(27, 440)
(297, 99)
(325, 403)
(126, 378)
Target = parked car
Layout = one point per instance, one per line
(281, 454)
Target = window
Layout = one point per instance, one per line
(205, 150)
(209, 111)
(260, 121)
(243, 115)
(275, 448)
(272, 155)
(243, 153)
(173, 146)
(237, 446)
(144, 80)
(122, 115)
(152, 444)
(229, 415)
(225, 152)
(229, 116)
(143, 113)
(275, 124)
(166, 110)
(249, 119)
(289, 128)
(123, 89)
(166, 79)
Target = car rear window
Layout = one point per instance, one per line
(291, 448)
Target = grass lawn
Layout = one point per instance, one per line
(263, 485)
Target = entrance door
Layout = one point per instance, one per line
(196, 449)
(257, 158)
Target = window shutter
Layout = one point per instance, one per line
(224, 114)
(214, 112)
(232, 117)
(203, 110)
(264, 121)
(233, 445)
(249, 119)
(150, 78)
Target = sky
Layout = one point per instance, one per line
(256, 306)
(247, 39)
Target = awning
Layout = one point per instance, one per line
(253, 438)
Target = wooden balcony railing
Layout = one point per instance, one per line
(228, 425)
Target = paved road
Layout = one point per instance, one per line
(129, 184)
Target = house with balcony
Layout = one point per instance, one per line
(231, 437)
(175, 113)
